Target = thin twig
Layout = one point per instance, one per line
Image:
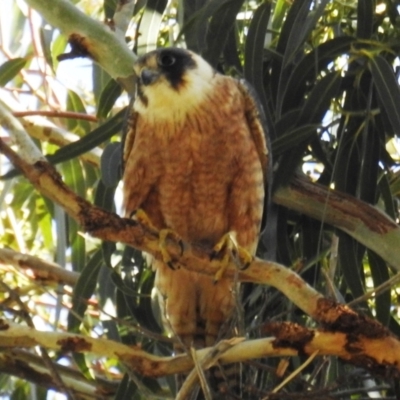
(56, 114)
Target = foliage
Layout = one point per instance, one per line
(326, 73)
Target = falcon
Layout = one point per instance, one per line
(195, 163)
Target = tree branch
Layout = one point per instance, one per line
(381, 354)
(95, 39)
(30, 367)
(363, 222)
(43, 270)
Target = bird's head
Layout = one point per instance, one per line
(171, 80)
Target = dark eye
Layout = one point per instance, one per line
(166, 60)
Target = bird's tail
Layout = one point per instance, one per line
(198, 312)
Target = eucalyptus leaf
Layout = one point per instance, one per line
(387, 88)
(10, 69)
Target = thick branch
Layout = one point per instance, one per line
(379, 353)
(362, 221)
(43, 270)
(94, 39)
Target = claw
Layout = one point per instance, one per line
(141, 216)
(228, 247)
(245, 258)
(164, 233)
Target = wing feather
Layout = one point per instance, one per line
(259, 133)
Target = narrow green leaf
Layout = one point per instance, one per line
(230, 54)
(387, 88)
(220, 27)
(21, 391)
(108, 98)
(320, 98)
(293, 23)
(312, 113)
(199, 22)
(253, 54)
(10, 69)
(350, 258)
(370, 152)
(365, 15)
(46, 36)
(304, 22)
(75, 104)
(287, 122)
(279, 14)
(91, 140)
(45, 222)
(157, 5)
(150, 25)
(380, 274)
(104, 198)
(144, 313)
(17, 25)
(58, 47)
(297, 27)
(111, 164)
(191, 18)
(74, 178)
(284, 250)
(293, 138)
(88, 142)
(109, 7)
(387, 196)
(83, 291)
(100, 79)
(127, 389)
(309, 68)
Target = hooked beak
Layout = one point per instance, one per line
(148, 76)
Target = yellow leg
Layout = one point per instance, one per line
(164, 233)
(141, 216)
(228, 247)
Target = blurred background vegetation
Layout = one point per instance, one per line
(326, 73)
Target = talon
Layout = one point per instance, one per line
(141, 216)
(213, 255)
(245, 258)
(171, 265)
(164, 233)
(225, 245)
(229, 248)
(181, 246)
(224, 265)
(245, 266)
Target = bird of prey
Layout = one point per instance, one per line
(195, 163)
